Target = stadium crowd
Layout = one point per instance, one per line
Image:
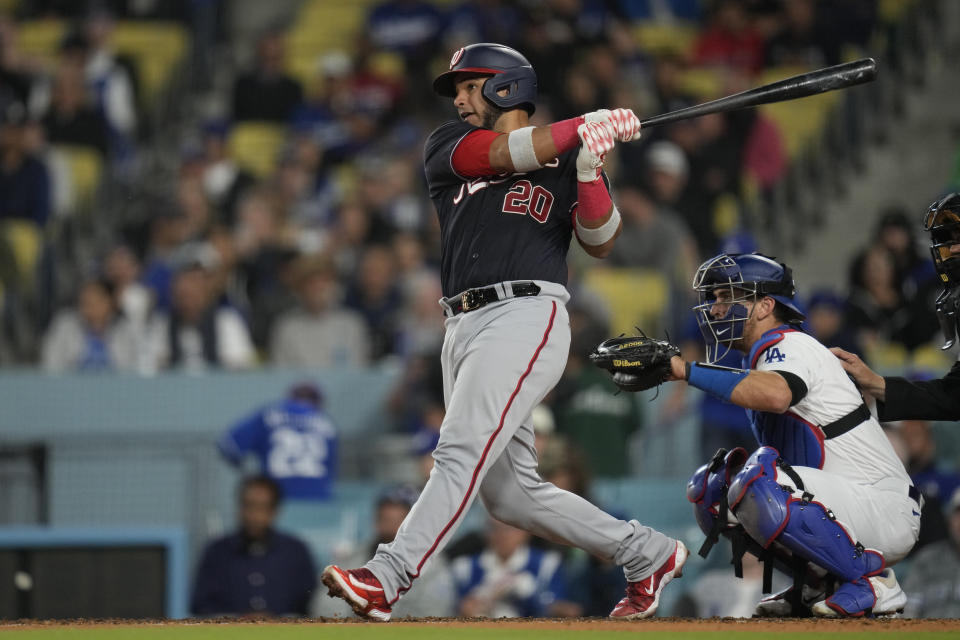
(326, 256)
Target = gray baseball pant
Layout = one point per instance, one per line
(498, 363)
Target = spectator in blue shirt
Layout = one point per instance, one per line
(294, 440)
(510, 579)
(255, 570)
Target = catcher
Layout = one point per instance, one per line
(825, 496)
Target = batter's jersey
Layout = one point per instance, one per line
(862, 454)
(514, 226)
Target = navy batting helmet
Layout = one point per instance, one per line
(747, 276)
(508, 70)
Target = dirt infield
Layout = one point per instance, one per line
(767, 625)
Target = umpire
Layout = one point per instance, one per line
(900, 399)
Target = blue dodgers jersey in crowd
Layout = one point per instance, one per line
(296, 444)
(525, 586)
(508, 227)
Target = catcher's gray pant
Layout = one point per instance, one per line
(498, 363)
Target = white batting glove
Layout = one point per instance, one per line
(596, 139)
(624, 122)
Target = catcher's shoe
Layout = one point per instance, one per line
(879, 595)
(360, 588)
(643, 597)
(778, 605)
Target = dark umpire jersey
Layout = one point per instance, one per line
(928, 400)
(495, 228)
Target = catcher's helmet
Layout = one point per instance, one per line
(942, 220)
(746, 276)
(507, 67)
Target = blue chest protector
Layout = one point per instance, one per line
(799, 442)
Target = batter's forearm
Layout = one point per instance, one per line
(596, 220)
(520, 149)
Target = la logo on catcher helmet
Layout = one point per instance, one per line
(456, 57)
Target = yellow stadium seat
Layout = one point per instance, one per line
(887, 357)
(930, 359)
(41, 38)
(665, 37)
(156, 49)
(347, 179)
(86, 169)
(892, 11)
(385, 64)
(8, 7)
(800, 121)
(750, 188)
(25, 240)
(726, 215)
(256, 145)
(703, 82)
(636, 297)
(322, 26)
(303, 66)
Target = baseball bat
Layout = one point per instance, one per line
(838, 76)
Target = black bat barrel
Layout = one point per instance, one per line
(838, 76)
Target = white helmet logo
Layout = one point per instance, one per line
(456, 57)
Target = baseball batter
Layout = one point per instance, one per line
(825, 486)
(509, 198)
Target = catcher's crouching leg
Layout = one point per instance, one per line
(768, 500)
(707, 490)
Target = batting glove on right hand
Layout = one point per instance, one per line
(596, 139)
(623, 122)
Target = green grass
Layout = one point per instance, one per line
(424, 632)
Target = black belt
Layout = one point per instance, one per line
(473, 299)
(839, 427)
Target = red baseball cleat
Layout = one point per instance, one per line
(361, 590)
(643, 597)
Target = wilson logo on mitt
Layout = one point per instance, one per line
(636, 362)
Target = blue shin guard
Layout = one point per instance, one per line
(774, 507)
(707, 490)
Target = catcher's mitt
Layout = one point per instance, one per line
(636, 362)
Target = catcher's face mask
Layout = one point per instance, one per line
(721, 311)
(726, 284)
